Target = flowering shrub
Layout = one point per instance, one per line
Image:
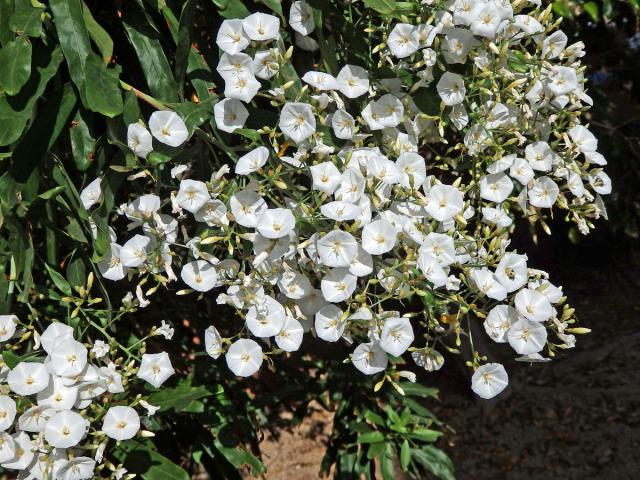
(352, 174)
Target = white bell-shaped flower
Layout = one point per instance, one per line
(78, 468)
(246, 207)
(352, 186)
(451, 88)
(496, 216)
(7, 448)
(326, 177)
(583, 139)
(24, 449)
(362, 264)
(7, 412)
(55, 332)
(540, 156)
(266, 318)
(340, 211)
(252, 161)
(231, 37)
(441, 246)
(432, 269)
(261, 26)
(329, 323)
(213, 342)
(561, 80)
(488, 283)
(403, 40)
(489, 380)
(121, 423)
(65, 429)
(369, 358)
(601, 183)
(236, 64)
(544, 193)
(521, 170)
(353, 81)
(397, 335)
(379, 237)
(155, 368)
(343, 124)
(290, 336)
(192, 195)
(200, 275)
(28, 378)
(230, 114)
(111, 266)
(241, 86)
(57, 395)
(320, 80)
(337, 249)
(7, 326)
(91, 194)
(35, 418)
(495, 187)
(294, 285)
(134, 252)
(297, 121)
(301, 18)
(498, 322)
(444, 202)
(244, 357)
(168, 128)
(276, 223)
(338, 285)
(512, 271)
(266, 63)
(139, 140)
(533, 305)
(413, 169)
(527, 337)
(213, 213)
(68, 359)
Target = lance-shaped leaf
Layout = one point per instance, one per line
(15, 65)
(101, 87)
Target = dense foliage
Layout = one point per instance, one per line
(317, 195)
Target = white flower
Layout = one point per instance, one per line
(338, 285)
(241, 86)
(78, 468)
(583, 139)
(57, 395)
(320, 80)
(192, 195)
(232, 65)
(213, 342)
(68, 359)
(396, 336)
(340, 211)
(444, 202)
(511, 272)
(294, 285)
(489, 380)
(151, 409)
(297, 121)
(121, 423)
(34, 419)
(337, 249)
(246, 207)
(91, 194)
(495, 187)
(55, 332)
(290, 336)
(544, 193)
(527, 337)
(533, 305)
(7, 448)
(413, 169)
(440, 246)
(7, 412)
(252, 161)
(261, 26)
(265, 63)
(369, 358)
(230, 114)
(111, 266)
(155, 368)
(326, 177)
(100, 349)
(540, 156)
(561, 80)
(165, 330)
(139, 140)
(488, 284)
(498, 322)
(231, 37)
(28, 378)
(353, 81)
(276, 223)
(134, 252)
(362, 264)
(65, 429)
(199, 275)
(601, 183)
(430, 360)
(521, 170)
(168, 128)
(329, 324)
(24, 449)
(451, 88)
(403, 40)
(301, 18)
(432, 269)
(487, 21)
(266, 318)
(386, 112)
(244, 357)
(343, 124)
(378, 237)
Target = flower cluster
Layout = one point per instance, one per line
(62, 402)
(374, 191)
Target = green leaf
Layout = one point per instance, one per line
(417, 390)
(371, 437)
(427, 101)
(405, 455)
(10, 359)
(435, 461)
(275, 5)
(15, 65)
(16, 111)
(6, 12)
(26, 19)
(593, 10)
(385, 7)
(239, 457)
(375, 450)
(180, 397)
(101, 88)
(194, 114)
(153, 61)
(99, 35)
(49, 194)
(425, 435)
(59, 281)
(73, 37)
(83, 145)
(386, 463)
(142, 459)
(561, 7)
(184, 43)
(231, 8)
